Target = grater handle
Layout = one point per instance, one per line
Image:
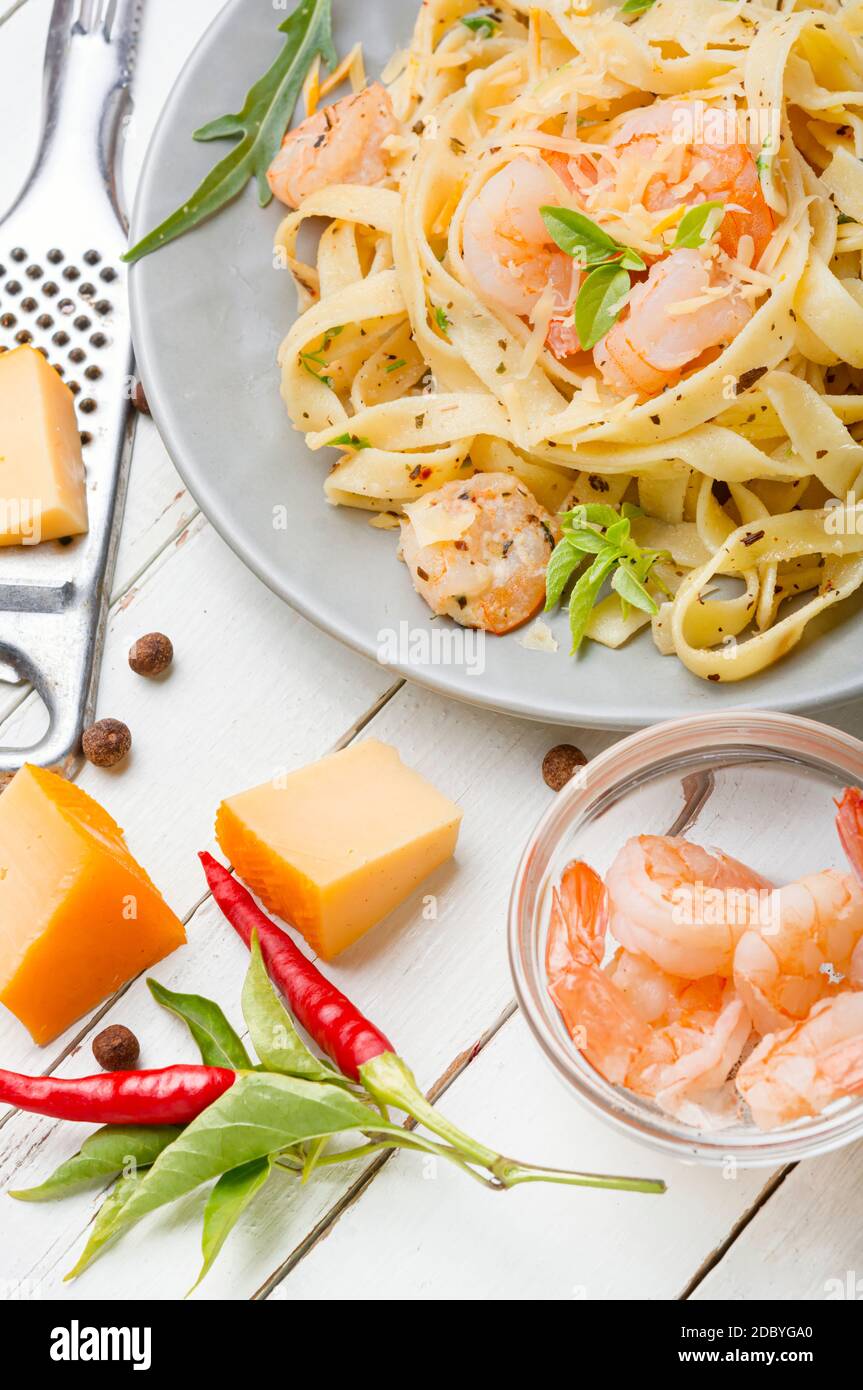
(89, 59)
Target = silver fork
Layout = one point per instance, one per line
(63, 289)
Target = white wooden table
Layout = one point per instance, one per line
(256, 687)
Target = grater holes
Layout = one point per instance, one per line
(18, 254)
(29, 304)
(13, 287)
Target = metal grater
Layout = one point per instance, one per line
(63, 290)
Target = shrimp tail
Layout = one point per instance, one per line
(849, 823)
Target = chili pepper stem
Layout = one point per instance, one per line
(511, 1174)
(388, 1079)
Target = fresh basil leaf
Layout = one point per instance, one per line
(259, 127)
(104, 1226)
(618, 534)
(441, 318)
(579, 237)
(599, 304)
(217, 1041)
(564, 560)
(597, 513)
(630, 260)
(586, 540)
(261, 1114)
(632, 591)
(698, 224)
(274, 1037)
(631, 511)
(636, 6)
(106, 1153)
(585, 594)
(232, 1194)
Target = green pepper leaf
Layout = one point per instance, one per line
(104, 1226)
(259, 127)
(600, 303)
(585, 594)
(632, 591)
(564, 561)
(112, 1150)
(274, 1037)
(698, 224)
(232, 1194)
(218, 1043)
(261, 1114)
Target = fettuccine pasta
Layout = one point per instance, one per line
(613, 257)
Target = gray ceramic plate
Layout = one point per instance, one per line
(209, 312)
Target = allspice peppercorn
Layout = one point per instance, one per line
(116, 1048)
(151, 654)
(106, 742)
(560, 765)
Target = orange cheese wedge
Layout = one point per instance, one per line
(78, 916)
(42, 489)
(335, 846)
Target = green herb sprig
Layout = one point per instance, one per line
(484, 23)
(598, 530)
(258, 127)
(698, 224)
(608, 263)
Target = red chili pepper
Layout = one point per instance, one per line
(339, 1029)
(170, 1096)
(360, 1050)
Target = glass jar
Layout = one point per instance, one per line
(759, 786)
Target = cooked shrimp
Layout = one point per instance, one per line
(600, 1019)
(652, 344)
(687, 171)
(510, 255)
(798, 1072)
(803, 953)
(811, 941)
(478, 550)
(666, 1038)
(682, 907)
(849, 823)
(343, 143)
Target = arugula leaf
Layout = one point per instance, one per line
(103, 1155)
(483, 22)
(225, 1205)
(218, 1043)
(600, 303)
(258, 127)
(261, 1114)
(698, 224)
(275, 1039)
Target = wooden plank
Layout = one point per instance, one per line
(805, 1242)
(253, 686)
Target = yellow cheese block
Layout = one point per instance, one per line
(78, 916)
(42, 493)
(337, 845)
